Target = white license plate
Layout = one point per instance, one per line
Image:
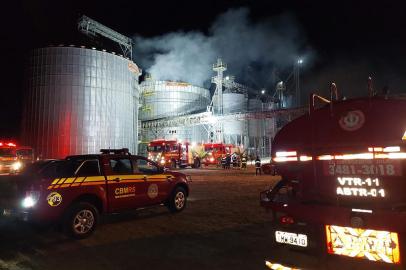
(291, 238)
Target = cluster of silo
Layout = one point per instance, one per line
(80, 100)
(160, 99)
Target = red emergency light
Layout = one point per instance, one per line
(10, 144)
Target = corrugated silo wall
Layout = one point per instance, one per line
(235, 131)
(261, 131)
(78, 101)
(168, 98)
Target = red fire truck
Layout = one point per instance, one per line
(13, 158)
(215, 151)
(342, 194)
(173, 153)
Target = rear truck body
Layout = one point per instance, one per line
(342, 194)
(51, 191)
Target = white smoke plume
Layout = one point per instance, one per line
(251, 49)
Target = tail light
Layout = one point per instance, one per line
(287, 220)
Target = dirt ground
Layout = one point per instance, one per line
(223, 227)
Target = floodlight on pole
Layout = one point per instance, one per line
(296, 73)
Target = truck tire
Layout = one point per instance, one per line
(177, 201)
(173, 164)
(81, 220)
(196, 163)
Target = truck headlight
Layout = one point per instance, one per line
(31, 199)
(162, 161)
(17, 165)
(211, 159)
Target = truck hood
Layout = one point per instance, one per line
(179, 175)
(17, 185)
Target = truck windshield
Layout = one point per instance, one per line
(6, 152)
(26, 153)
(211, 149)
(155, 148)
(36, 167)
(60, 168)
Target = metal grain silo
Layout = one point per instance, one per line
(235, 131)
(255, 126)
(80, 100)
(167, 98)
(161, 99)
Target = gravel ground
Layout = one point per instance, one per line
(223, 227)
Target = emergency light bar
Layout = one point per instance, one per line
(390, 152)
(8, 144)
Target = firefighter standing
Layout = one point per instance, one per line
(228, 161)
(234, 160)
(258, 166)
(224, 162)
(244, 162)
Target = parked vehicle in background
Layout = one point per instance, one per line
(75, 191)
(173, 153)
(215, 152)
(269, 168)
(14, 158)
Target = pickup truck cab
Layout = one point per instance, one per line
(75, 191)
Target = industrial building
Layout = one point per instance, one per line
(80, 100)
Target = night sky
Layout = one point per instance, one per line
(350, 40)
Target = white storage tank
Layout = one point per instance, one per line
(80, 100)
(254, 125)
(161, 99)
(235, 131)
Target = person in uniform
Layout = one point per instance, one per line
(244, 162)
(224, 162)
(258, 166)
(228, 161)
(234, 160)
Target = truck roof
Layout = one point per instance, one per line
(161, 141)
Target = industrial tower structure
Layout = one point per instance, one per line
(215, 128)
(219, 67)
(90, 27)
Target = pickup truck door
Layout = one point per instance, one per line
(124, 184)
(157, 184)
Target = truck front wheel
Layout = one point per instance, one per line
(173, 164)
(196, 163)
(177, 201)
(81, 220)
